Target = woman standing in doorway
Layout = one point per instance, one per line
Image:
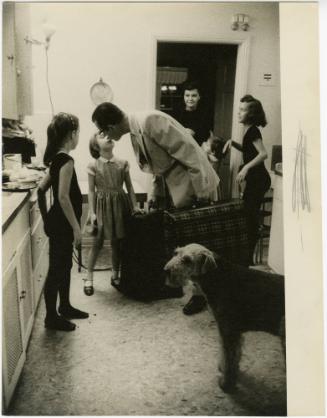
(193, 116)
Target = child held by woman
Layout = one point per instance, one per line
(109, 205)
(253, 170)
(62, 221)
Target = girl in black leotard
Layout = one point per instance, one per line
(62, 222)
(253, 170)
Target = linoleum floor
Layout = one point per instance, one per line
(133, 358)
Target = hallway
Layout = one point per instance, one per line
(132, 358)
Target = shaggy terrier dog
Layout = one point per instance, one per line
(240, 298)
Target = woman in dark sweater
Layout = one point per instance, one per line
(253, 170)
(62, 222)
(193, 116)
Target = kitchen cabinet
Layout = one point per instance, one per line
(24, 269)
(16, 61)
(18, 309)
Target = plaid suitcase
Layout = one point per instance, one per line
(220, 227)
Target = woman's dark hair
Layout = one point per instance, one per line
(192, 85)
(94, 146)
(256, 115)
(107, 114)
(61, 125)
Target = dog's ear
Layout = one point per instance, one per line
(208, 263)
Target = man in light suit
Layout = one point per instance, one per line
(164, 148)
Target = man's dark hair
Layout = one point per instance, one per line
(107, 114)
(256, 115)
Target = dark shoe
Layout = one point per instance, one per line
(167, 292)
(88, 290)
(195, 304)
(116, 283)
(88, 286)
(72, 313)
(59, 324)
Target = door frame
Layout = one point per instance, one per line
(240, 89)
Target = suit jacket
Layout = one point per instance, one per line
(163, 147)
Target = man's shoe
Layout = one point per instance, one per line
(167, 292)
(196, 304)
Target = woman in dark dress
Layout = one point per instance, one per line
(193, 116)
(62, 222)
(253, 170)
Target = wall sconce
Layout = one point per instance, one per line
(240, 21)
(48, 30)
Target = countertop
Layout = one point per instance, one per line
(12, 202)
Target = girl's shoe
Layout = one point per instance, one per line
(88, 287)
(59, 323)
(69, 312)
(115, 280)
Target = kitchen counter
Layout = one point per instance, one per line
(12, 202)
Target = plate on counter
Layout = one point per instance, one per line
(16, 187)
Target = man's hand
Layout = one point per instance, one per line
(153, 203)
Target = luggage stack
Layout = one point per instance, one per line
(153, 237)
(220, 227)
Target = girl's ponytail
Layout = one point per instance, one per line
(52, 145)
(61, 125)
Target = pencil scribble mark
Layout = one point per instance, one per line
(300, 190)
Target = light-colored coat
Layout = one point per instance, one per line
(163, 147)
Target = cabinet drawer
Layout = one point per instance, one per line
(13, 236)
(38, 239)
(40, 273)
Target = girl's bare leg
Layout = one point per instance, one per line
(116, 259)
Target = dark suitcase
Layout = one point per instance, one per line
(143, 257)
(220, 227)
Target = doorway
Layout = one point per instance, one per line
(213, 66)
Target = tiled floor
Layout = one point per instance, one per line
(132, 358)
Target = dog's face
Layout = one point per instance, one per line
(189, 263)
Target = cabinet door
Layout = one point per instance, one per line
(40, 273)
(13, 353)
(25, 287)
(9, 90)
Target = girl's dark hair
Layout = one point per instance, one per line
(256, 115)
(94, 147)
(107, 114)
(61, 125)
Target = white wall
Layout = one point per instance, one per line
(116, 41)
